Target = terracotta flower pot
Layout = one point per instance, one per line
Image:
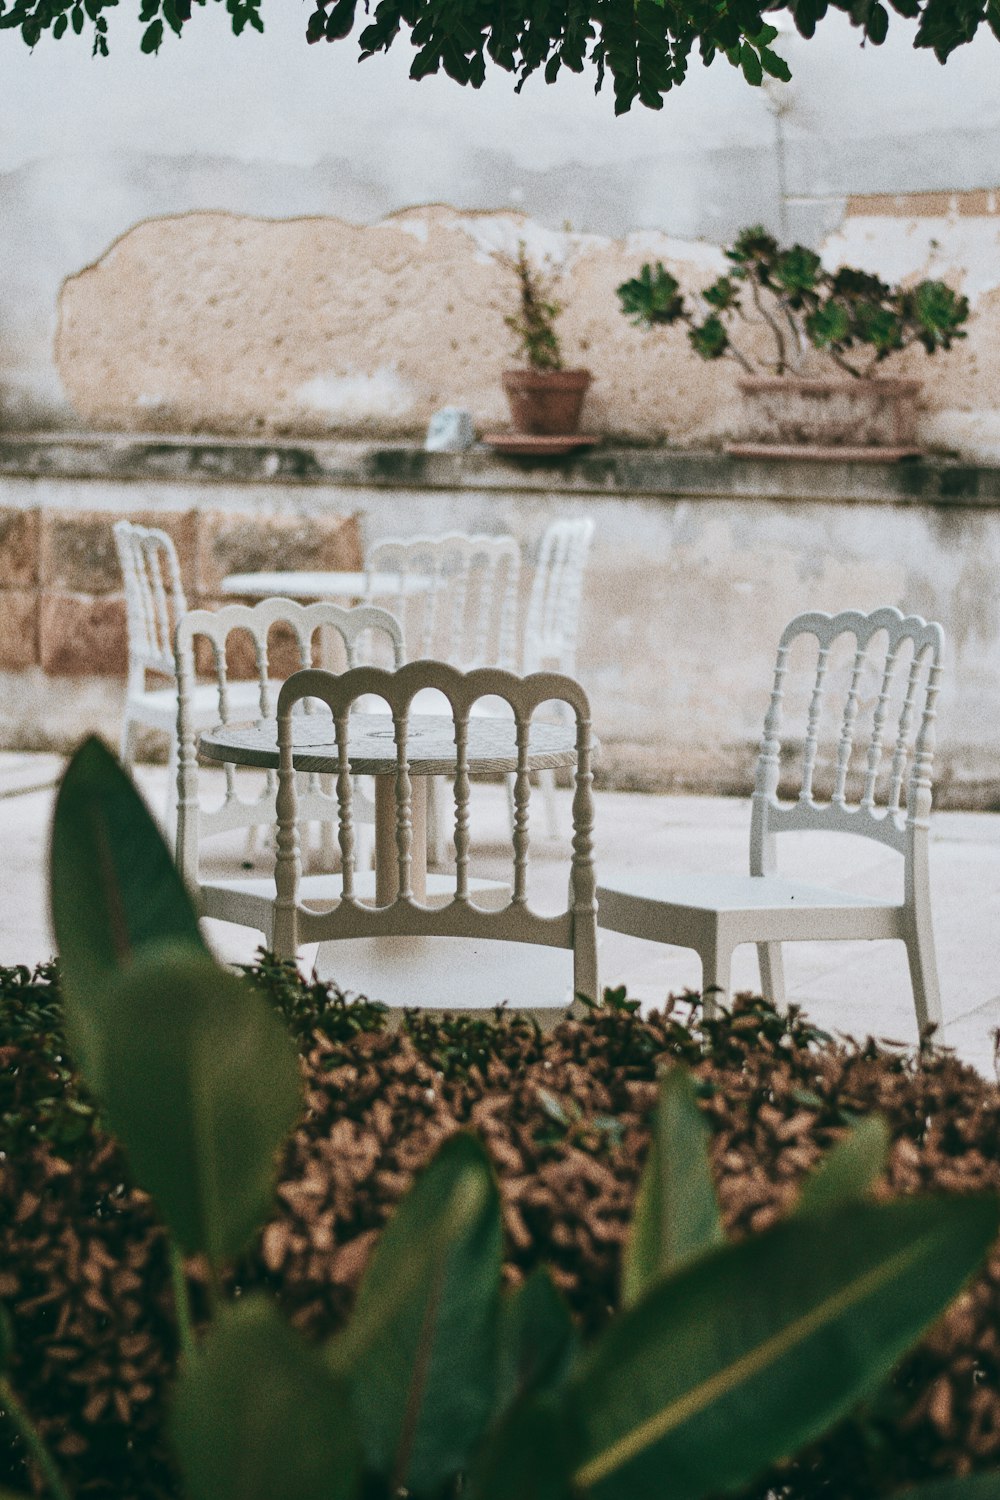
(837, 418)
(546, 402)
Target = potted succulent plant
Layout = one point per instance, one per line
(778, 313)
(545, 398)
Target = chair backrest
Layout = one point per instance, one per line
(874, 704)
(251, 630)
(457, 595)
(154, 598)
(552, 621)
(575, 928)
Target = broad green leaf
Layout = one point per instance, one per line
(751, 1352)
(113, 883)
(529, 1457)
(419, 1355)
(848, 1170)
(257, 1414)
(676, 1212)
(200, 1083)
(972, 1487)
(537, 1339)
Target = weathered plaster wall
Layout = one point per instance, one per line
(269, 128)
(683, 605)
(211, 322)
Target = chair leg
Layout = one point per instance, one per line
(170, 812)
(129, 741)
(436, 836)
(547, 785)
(716, 970)
(772, 973)
(924, 978)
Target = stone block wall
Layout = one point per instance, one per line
(62, 605)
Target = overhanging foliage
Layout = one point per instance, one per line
(645, 45)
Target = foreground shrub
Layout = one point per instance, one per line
(85, 1275)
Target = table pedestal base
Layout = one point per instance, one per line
(386, 853)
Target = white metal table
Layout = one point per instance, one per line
(430, 747)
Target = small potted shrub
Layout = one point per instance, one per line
(545, 399)
(781, 315)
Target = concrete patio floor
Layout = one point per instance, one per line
(857, 988)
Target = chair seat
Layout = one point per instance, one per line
(673, 908)
(725, 892)
(457, 974)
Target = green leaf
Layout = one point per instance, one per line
(847, 1171)
(972, 1487)
(419, 1355)
(114, 886)
(152, 37)
(529, 1457)
(200, 1083)
(537, 1339)
(676, 1213)
(751, 1352)
(750, 63)
(257, 1415)
(6, 1338)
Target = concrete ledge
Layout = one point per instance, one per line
(603, 471)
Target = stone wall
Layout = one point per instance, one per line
(63, 636)
(698, 562)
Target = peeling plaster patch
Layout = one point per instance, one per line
(355, 396)
(669, 247)
(502, 233)
(953, 248)
(419, 228)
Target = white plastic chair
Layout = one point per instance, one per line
(249, 900)
(154, 603)
(457, 596)
(552, 622)
(715, 914)
(458, 600)
(458, 955)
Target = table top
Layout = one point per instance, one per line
(372, 746)
(318, 585)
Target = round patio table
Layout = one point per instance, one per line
(430, 750)
(319, 585)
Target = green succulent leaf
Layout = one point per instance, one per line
(652, 297)
(200, 1083)
(749, 1353)
(114, 886)
(709, 339)
(419, 1355)
(849, 1169)
(828, 326)
(257, 1414)
(676, 1213)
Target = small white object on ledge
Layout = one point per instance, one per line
(450, 431)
